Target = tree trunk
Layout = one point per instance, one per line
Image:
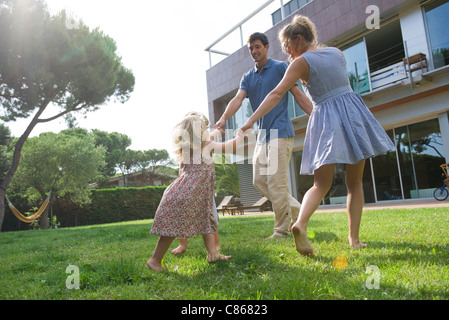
(2, 207)
(43, 223)
(15, 162)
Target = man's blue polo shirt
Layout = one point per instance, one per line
(258, 84)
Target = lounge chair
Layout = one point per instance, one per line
(225, 206)
(263, 204)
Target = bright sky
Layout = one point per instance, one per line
(163, 43)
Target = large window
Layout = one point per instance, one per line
(386, 175)
(376, 60)
(289, 8)
(411, 171)
(245, 111)
(303, 183)
(294, 110)
(385, 47)
(421, 155)
(437, 14)
(355, 54)
(241, 116)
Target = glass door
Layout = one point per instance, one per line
(357, 65)
(386, 175)
(437, 14)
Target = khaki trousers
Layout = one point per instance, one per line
(270, 166)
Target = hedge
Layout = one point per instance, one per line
(110, 205)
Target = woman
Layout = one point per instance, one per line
(341, 129)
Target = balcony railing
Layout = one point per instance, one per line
(210, 49)
(388, 75)
(395, 73)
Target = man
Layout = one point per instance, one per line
(276, 135)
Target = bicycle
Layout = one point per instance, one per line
(442, 192)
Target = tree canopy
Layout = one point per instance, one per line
(44, 60)
(5, 152)
(62, 164)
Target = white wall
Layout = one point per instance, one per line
(414, 111)
(414, 31)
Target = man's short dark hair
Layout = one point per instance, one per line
(258, 36)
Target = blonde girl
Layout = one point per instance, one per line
(186, 208)
(183, 241)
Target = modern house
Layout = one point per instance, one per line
(137, 180)
(397, 54)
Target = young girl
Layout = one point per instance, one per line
(341, 128)
(186, 208)
(183, 241)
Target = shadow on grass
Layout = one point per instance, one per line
(410, 252)
(327, 237)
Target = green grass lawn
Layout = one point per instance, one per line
(408, 248)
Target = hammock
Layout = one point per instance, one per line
(32, 218)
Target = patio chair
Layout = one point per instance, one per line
(263, 204)
(419, 59)
(225, 206)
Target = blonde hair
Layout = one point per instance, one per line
(188, 136)
(200, 115)
(301, 25)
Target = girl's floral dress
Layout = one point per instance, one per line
(186, 208)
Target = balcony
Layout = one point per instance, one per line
(398, 75)
(382, 61)
(387, 76)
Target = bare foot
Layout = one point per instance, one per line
(155, 266)
(302, 243)
(291, 226)
(357, 244)
(179, 250)
(218, 257)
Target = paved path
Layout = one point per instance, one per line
(405, 204)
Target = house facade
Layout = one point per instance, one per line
(137, 180)
(397, 54)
